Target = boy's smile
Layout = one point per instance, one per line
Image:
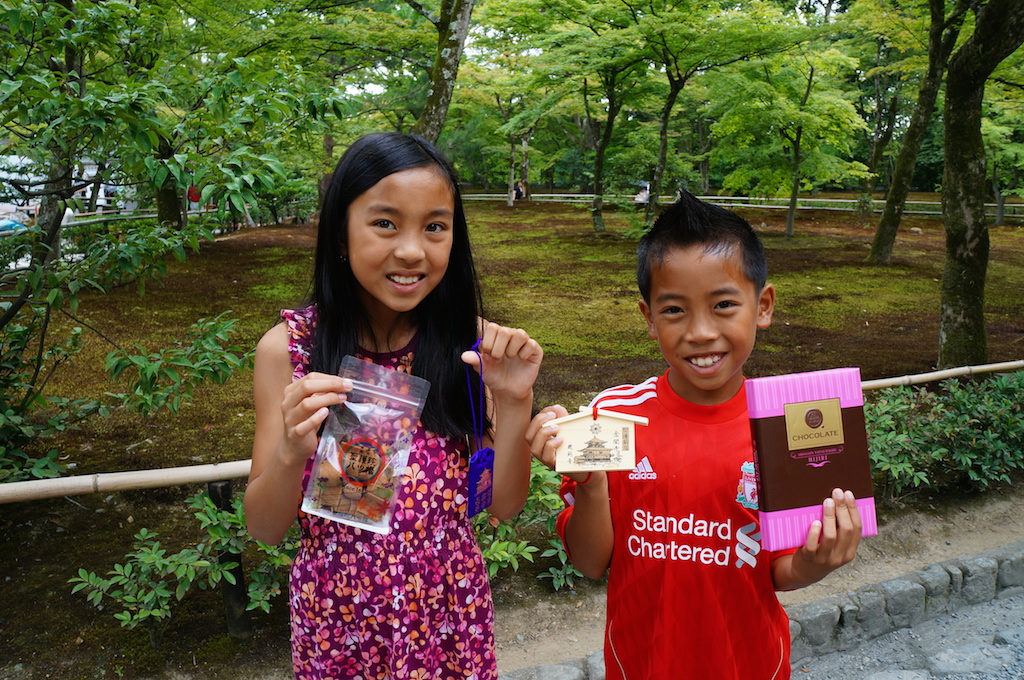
(704, 312)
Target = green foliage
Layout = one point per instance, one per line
(165, 378)
(563, 573)
(227, 532)
(784, 119)
(26, 416)
(148, 584)
(295, 195)
(505, 554)
(505, 543)
(98, 258)
(965, 435)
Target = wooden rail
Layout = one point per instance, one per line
(38, 489)
(103, 482)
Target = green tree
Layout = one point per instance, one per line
(891, 58)
(452, 24)
(1003, 132)
(998, 33)
(600, 64)
(686, 38)
(787, 124)
(75, 83)
(943, 31)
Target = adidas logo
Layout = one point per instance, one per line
(643, 470)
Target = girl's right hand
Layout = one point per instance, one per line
(304, 408)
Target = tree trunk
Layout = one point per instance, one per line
(52, 207)
(794, 190)
(168, 204)
(452, 28)
(597, 207)
(97, 186)
(942, 37)
(325, 180)
(524, 164)
(998, 32)
(884, 116)
(999, 196)
(168, 198)
(879, 142)
(704, 164)
(510, 199)
(675, 87)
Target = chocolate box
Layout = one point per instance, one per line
(809, 438)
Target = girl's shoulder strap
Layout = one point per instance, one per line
(301, 325)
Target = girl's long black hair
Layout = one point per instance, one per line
(446, 320)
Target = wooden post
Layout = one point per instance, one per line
(236, 597)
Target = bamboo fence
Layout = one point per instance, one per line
(201, 474)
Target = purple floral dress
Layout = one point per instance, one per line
(414, 603)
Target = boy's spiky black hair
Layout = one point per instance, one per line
(690, 221)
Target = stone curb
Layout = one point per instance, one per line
(841, 622)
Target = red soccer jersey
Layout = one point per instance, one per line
(690, 592)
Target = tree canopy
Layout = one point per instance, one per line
(245, 103)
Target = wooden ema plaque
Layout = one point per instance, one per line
(596, 439)
(809, 438)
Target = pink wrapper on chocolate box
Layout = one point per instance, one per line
(809, 438)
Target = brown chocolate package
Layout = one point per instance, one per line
(793, 479)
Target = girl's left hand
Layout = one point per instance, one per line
(511, 360)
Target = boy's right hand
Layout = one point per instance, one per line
(544, 439)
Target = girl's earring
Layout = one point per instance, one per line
(344, 258)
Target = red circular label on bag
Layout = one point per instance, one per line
(362, 461)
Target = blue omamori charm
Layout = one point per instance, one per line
(481, 480)
(481, 463)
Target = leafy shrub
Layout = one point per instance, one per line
(227, 532)
(27, 416)
(504, 544)
(150, 581)
(164, 379)
(31, 351)
(563, 573)
(963, 435)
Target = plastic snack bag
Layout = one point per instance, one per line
(364, 448)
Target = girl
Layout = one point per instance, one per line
(394, 283)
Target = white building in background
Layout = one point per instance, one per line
(19, 168)
(11, 201)
(108, 194)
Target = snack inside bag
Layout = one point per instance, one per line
(361, 460)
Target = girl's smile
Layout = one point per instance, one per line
(399, 246)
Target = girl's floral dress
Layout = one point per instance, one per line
(414, 603)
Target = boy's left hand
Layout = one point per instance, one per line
(511, 360)
(830, 544)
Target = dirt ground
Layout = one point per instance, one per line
(563, 628)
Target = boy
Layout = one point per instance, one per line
(690, 592)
